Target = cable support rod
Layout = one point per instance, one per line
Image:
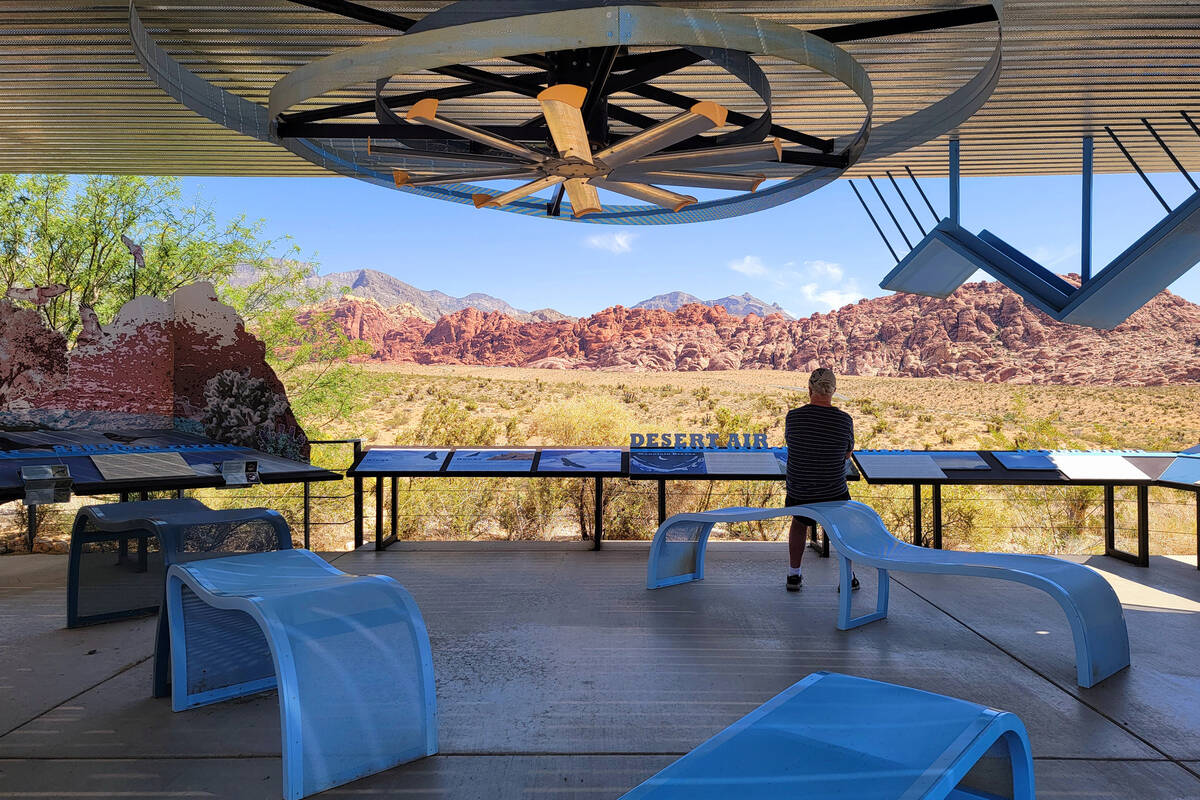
(932, 210)
(888, 208)
(1134, 164)
(874, 222)
(1170, 155)
(904, 200)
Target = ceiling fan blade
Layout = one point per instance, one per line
(701, 180)
(524, 190)
(733, 155)
(374, 148)
(561, 106)
(584, 198)
(644, 191)
(696, 120)
(425, 113)
(403, 178)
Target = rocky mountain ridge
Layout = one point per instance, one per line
(739, 305)
(982, 332)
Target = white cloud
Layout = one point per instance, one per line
(824, 269)
(832, 298)
(750, 265)
(616, 242)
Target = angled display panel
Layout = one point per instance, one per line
(663, 463)
(734, 462)
(386, 459)
(589, 461)
(468, 460)
(1026, 459)
(1096, 467)
(1183, 470)
(893, 466)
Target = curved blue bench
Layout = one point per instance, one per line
(1093, 611)
(287, 619)
(834, 735)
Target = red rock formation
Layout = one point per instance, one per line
(186, 362)
(983, 332)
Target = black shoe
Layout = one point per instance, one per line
(854, 584)
(793, 583)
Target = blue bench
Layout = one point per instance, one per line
(349, 655)
(834, 735)
(858, 534)
(103, 586)
(949, 255)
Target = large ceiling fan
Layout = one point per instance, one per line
(631, 167)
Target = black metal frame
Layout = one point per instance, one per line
(606, 71)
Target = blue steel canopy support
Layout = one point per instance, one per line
(954, 206)
(1170, 155)
(1085, 244)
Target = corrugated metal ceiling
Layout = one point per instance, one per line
(76, 99)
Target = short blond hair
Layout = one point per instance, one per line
(822, 382)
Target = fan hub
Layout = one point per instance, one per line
(575, 168)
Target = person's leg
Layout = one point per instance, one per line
(797, 539)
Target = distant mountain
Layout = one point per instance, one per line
(737, 305)
(391, 292)
(982, 332)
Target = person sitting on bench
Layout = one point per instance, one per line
(819, 439)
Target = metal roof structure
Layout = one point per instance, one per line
(77, 99)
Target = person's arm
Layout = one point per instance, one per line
(850, 445)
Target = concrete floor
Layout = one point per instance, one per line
(559, 675)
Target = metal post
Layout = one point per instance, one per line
(937, 516)
(379, 513)
(598, 514)
(888, 209)
(1110, 525)
(954, 180)
(1143, 526)
(1198, 530)
(904, 200)
(124, 497)
(307, 514)
(918, 538)
(395, 509)
(358, 500)
(662, 501)
(31, 513)
(1085, 244)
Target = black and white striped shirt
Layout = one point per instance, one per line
(818, 438)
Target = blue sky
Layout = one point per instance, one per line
(809, 256)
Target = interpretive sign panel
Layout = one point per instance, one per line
(666, 463)
(1096, 467)
(389, 459)
(891, 466)
(733, 462)
(139, 466)
(958, 459)
(1026, 459)
(1184, 470)
(580, 461)
(491, 461)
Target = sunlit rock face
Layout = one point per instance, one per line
(186, 362)
(982, 332)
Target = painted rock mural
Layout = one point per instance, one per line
(186, 363)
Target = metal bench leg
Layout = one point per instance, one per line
(845, 598)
